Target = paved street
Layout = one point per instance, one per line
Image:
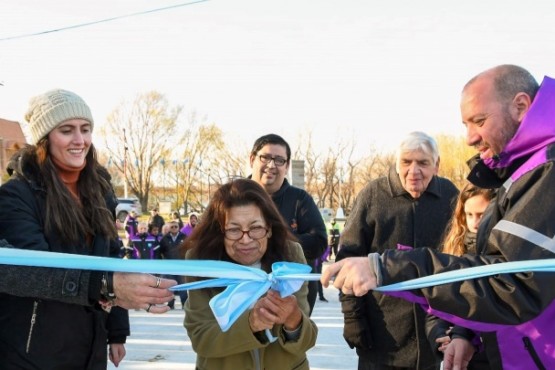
(161, 342)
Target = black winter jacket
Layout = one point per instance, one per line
(50, 318)
(302, 215)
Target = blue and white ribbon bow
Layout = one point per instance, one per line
(240, 294)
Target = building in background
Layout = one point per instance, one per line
(11, 139)
(296, 173)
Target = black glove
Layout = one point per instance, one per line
(356, 329)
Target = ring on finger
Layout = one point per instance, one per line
(149, 307)
(158, 281)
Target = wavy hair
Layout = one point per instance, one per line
(206, 242)
(64, 215)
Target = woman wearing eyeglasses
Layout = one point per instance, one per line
(242, 225)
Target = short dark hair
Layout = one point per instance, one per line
(511, 80)
(271, 139)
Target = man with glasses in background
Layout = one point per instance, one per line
(269, 159)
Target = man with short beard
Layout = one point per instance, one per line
(511, 122)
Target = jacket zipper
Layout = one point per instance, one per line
(530, 348)
(33, 320)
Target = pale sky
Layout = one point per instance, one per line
(370, 70)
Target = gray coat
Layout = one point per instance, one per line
(388, 330)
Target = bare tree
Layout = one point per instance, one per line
(198, 159)
(208, 162)
(313, 183)
(329, 179)
(454, 153)
(138, 135)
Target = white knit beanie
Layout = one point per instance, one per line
(48, 110)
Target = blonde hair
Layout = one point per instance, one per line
(453, 242)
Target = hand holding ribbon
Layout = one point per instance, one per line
(244, 284)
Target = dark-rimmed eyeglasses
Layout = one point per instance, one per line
(255, 233)
(174, 227)
(266, 159)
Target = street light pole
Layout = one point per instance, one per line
(176, 183)
(201, 206)
(163, 163)
(186, 186)
(124, 164)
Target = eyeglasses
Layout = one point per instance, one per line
(266, 159)
(174, 227)
(255, 233)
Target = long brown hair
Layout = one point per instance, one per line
(64, 216)
(453, 243)
(206, 242)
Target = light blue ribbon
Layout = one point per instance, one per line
(545, 265)
(245, 285)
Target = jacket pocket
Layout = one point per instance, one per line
(32, 326)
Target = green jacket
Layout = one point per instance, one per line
(238, 348)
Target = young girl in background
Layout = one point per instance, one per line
(461, 239)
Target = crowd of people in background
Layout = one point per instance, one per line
(407, 224)
(157, 239)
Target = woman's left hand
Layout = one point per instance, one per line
(286, 311)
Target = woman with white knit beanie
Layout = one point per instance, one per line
(60, 199)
